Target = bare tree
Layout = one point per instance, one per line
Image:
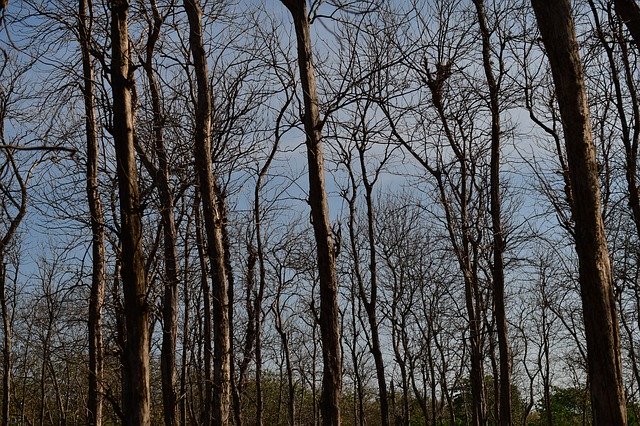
(329, 311)
(212, 219)
(136, 394)
(160, 174)
(499, 244)
(20, 205)
(599, 311)
(96, 301)
(13, 193)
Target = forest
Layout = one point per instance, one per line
(301, 212)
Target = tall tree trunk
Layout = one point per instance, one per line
(161, 176)
(96, 300)
(497, 270)
(185, 324)
(137, 394)
(226, 247)
(206, 300)
(212, 220)
(465, 247)
(7, 342)
(329, 311)
(598, 303)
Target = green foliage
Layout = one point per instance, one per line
(569, 406)
(463, 401)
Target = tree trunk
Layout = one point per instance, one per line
(7, 342)
(629, 12)
(370, 305)
(226, 248)
(96, 299)
(161, 176)
(212, 220)
(598, 303)
(329, 311)
(497, 270)
(137, 394)
(206, 300)
(284, 340)
(250, 332)
(185, 325)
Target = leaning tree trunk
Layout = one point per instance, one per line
(96, 299)
(212, 221)
(329, 311)
(136, 392)
(598, 302)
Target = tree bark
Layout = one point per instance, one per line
(212, 220)
(161, 176)
(96, 299)
(598, 303)
(329, 311)
(136, 393)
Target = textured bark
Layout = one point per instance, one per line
(136, 393)
(497, 268)
(250, 333)
(598, 303)
(212, 220)
(161, 176)
(329, 311)
(221, 202)
(96, 300)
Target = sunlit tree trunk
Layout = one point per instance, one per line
(96, 300)
(161, 176)
(598, 302)
(136, 393)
